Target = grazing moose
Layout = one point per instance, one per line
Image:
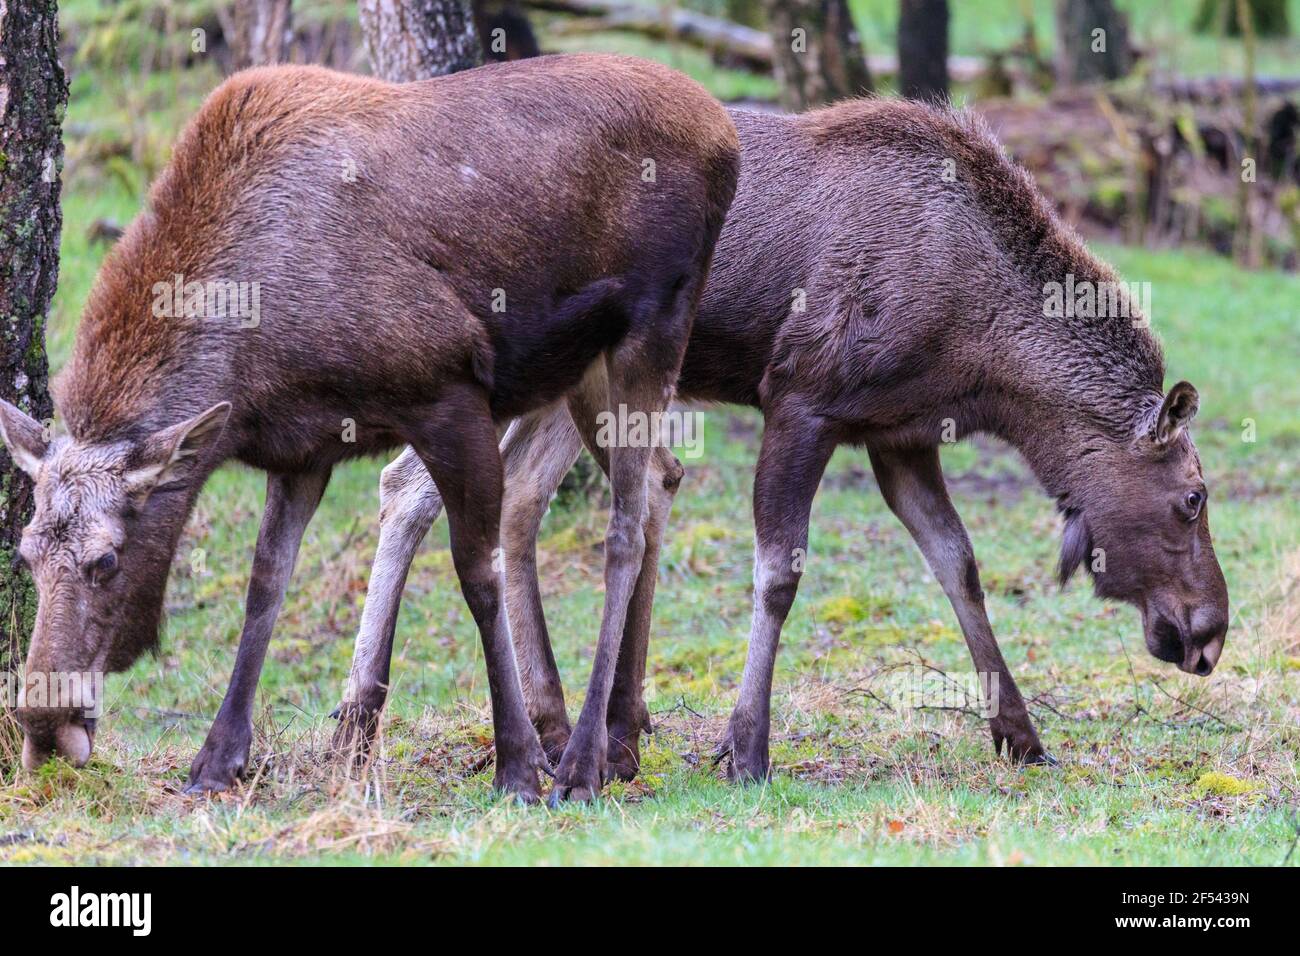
(926, 259)
(431, 260)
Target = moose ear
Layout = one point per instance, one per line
(167, 456)
(1177, 410)
(24, 437)
(1075, 545)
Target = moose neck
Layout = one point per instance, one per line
(1070, 380)
(1057, 443)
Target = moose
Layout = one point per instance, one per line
(921, 258)
(432, 260)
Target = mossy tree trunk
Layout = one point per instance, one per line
(263, 30)
(1268, 17)
(416, 39)
(817, 54)
(33, 98)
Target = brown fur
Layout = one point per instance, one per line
(925, 304)
(381, 222)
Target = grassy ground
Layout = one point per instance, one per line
(1155, 766)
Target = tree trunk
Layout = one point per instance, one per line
(505, 31)
(923, 49)
(1248, 239)
(262, 32)
(1092, 42)
(33, 98)
(1269, 18)
(416, 39)
(817, 53)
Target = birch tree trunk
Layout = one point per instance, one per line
(416, 39)
(33, 98)
(262, 32)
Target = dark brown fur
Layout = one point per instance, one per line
(924, 305)
(380, 222)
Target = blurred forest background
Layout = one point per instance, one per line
(1138, 119)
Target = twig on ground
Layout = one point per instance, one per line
(1191, 706)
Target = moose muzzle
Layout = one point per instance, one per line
(50, 732)
(1203, 641)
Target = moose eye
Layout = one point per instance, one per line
(103, 567)
(1192, 503)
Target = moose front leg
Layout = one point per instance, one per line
(291, 501)
(913, 487)
(796, 448)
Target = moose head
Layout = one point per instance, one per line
(1140, 524)
(99, 545)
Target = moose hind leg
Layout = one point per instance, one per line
(642, 371)
(628, 716)
(408, 505)
(458, 445)
(538, 451)
(913, 487)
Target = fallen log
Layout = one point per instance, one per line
(738, 43)
(745, 45)
(1211, 89)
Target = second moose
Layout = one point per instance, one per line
(925, 258)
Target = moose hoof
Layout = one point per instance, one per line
(521, 785)
(580, 775)
(354, 738)
(517, 767)
(214, 773)
(746, 763)
(221, 761)
(753, 769)
(576, 793)
(1020, 743)
(623, 755)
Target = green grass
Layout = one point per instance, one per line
(854, 782)
(1156, 767)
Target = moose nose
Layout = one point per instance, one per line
(1205, 643)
